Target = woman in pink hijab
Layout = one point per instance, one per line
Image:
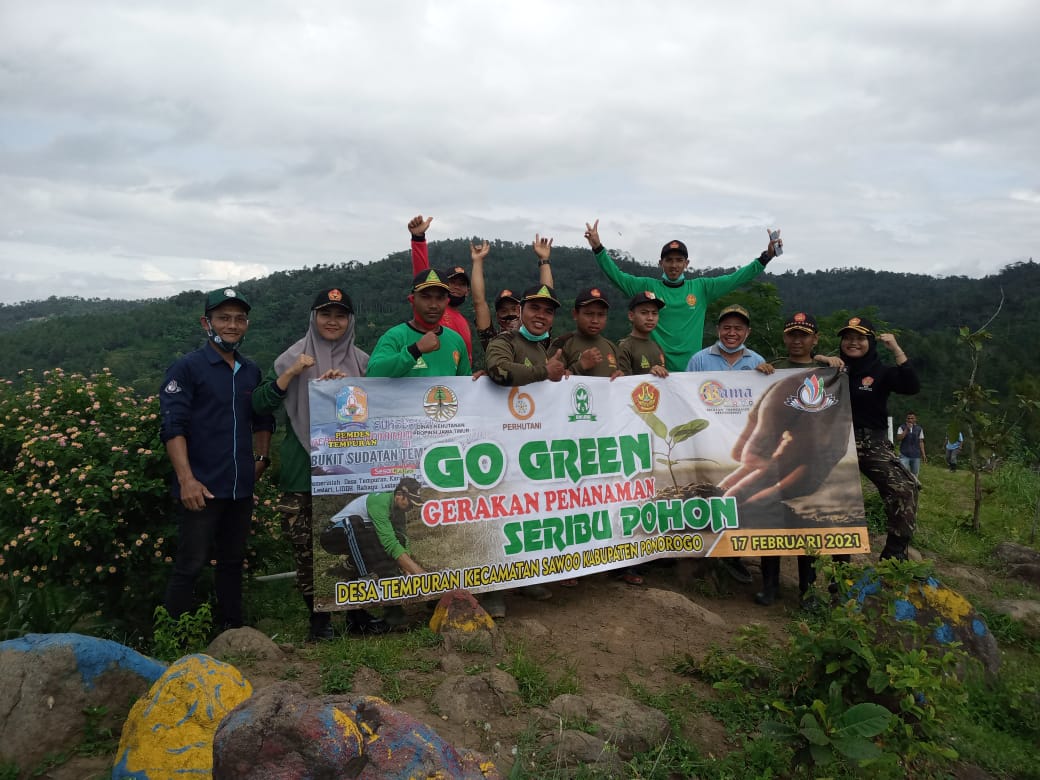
(327, 351)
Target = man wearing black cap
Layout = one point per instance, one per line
(211, 433)
(586, 352)
(372, 531)
(422, 346)
(455, 277)
(522, 356)
(680, 331)
(507, 302)
(637, 352)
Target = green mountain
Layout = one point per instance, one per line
(136, 340)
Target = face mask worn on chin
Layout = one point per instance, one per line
(723, 348)
(218, 342)
(530, 336)
(455, 301)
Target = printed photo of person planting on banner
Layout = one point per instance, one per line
(555, 480)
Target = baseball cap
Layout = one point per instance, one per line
(801, 321)
(674, 247)
(424, 280)
(223, 295)
(453, 272)
(590, 295)
(645, 297)
(735, 309)
(506, 295)
(540, 292)
(859, 325)
(333, 297)
(410, 487)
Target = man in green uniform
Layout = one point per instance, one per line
(586, 352)
(680, 330)
(637, 352)
(519, 357)
(421, 346)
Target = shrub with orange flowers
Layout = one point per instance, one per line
(87, 524)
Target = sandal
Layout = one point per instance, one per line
(569, 583)
(631, 578)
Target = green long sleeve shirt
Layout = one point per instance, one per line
(294, 461)
(680, 327)
(395, 356)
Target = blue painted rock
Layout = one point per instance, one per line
(280, 733)
(944, 613)
(169, 733)
(48, 680)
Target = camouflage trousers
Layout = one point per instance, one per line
(879, 462)
(298, 527)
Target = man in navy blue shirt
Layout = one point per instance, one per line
(210, 432)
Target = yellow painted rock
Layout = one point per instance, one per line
(169, 733)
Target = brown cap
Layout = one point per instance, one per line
(590, 295)
(737, 310)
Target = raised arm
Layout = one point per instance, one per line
(543, 248)
(627, 283)
(477, 288)
(418, 226)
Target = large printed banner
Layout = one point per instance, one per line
(554, 480)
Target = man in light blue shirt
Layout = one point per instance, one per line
(729, 352)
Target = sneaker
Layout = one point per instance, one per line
(736, 569)
(493, 603)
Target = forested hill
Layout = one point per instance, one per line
(138, 339)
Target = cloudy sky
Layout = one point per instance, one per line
(150, 147)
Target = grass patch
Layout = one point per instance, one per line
(538, 684)
(388, 655)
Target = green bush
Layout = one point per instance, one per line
(85, 511)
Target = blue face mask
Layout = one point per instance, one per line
(530, 336)
(218, 342)
(723, 348)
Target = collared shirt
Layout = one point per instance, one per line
(713, 359)
(210, 404)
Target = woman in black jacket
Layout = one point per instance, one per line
(870, 383)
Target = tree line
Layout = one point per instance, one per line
(137, 340)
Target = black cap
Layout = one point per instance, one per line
(217, 297)
(801, 321)
(645, 297)
(540, 292)
(735, 310)
(410, 487)
(859, 325)
(333, 296)
(590, 295)
(506, 295)
(427, 279)
(675, 247)
(454, 272)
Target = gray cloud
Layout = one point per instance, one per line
(141, 144)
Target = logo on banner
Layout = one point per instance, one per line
(721, 399)
(811, 396)
(581, 404)
(521, 405)
(645, 398)
(440, 403)
(352, 405)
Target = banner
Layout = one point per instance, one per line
(555, 480)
